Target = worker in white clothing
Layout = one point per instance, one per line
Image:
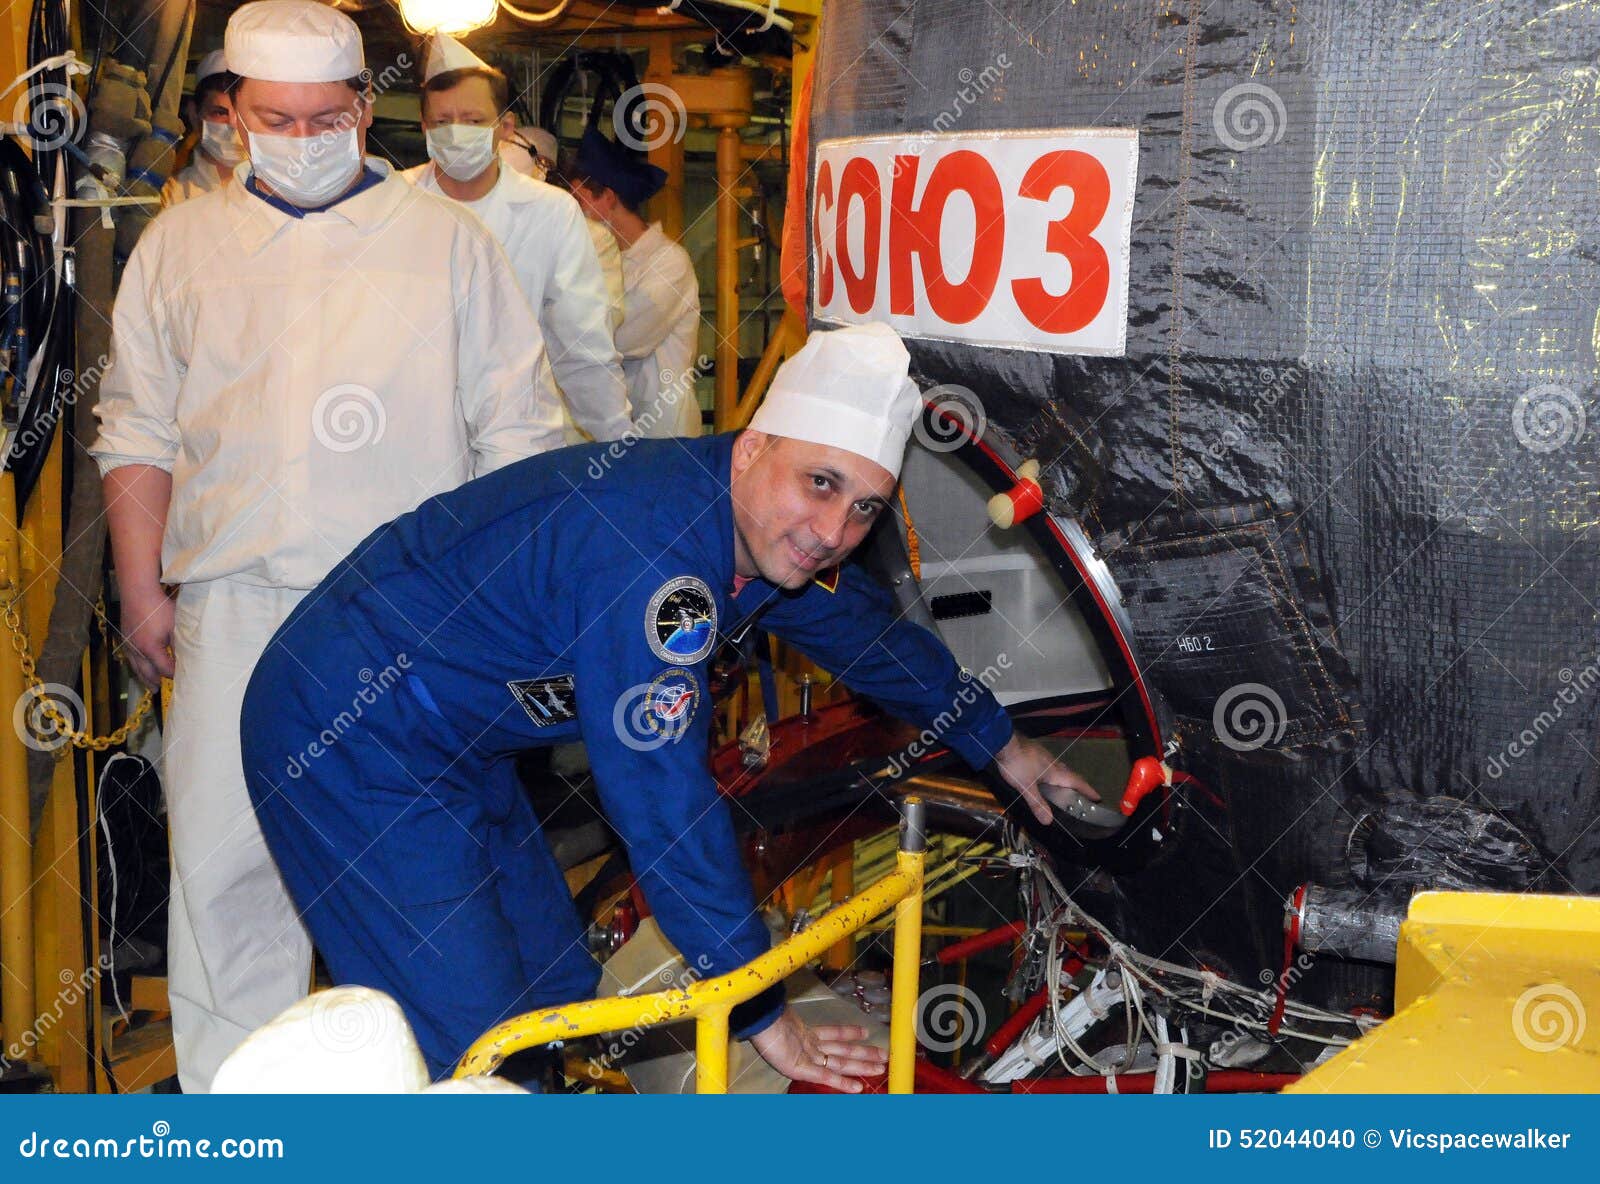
(533, 152)
(660, 330)
(465, 117)
(298, 357)
(220, 149)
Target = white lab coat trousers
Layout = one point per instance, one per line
(544, 234)
(237, 954)
(304, 379)
(659, 335)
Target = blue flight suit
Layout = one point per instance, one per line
(577, 594)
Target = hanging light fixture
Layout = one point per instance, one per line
(447, 16)
(462, 16)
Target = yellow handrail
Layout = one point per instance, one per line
(711, 1001)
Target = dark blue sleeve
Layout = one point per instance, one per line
(646, 723)
(854, 633)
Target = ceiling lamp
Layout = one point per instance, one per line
(447, 16)
(462, 16)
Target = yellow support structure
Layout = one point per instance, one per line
(1492, 995)
(711, 1001)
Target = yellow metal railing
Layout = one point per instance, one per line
(710, 1002)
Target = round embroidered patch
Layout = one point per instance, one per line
(681, 622)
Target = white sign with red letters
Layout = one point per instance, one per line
(1011, 239)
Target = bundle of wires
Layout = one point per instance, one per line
(36, 327)
(1155, 980)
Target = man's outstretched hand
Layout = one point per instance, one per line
(833, 1055)
(1030, 768)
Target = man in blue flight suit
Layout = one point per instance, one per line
(579, 595)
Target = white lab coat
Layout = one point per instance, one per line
(605, 246)
(544, 235)
(659, 335)
(304, 380)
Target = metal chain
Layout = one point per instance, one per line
(30, 675)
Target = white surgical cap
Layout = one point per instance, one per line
(848, 388)
(293, 41)
(347, 1040)
(213, 63)
(543, 142)
(445, 53)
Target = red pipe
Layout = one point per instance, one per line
(976, 944)
(1222, 1081)
(931, 1079)
(1006, 1034)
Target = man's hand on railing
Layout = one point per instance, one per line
(833, 1055)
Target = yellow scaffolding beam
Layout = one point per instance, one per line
(711, 1001)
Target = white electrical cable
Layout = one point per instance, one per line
(111, 861)
(766, 8)
(1139, 966)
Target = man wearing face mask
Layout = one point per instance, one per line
(220, 148)
(465, 117)
(297, 357)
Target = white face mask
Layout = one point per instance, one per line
(221, 142)
(461, 150)
(306, 171)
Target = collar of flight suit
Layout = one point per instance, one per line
(257, 222)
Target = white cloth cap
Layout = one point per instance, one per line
(543, 142)
(347, 1040)
(214, 62)
(293, 41)
(847, 388)
(445, 53)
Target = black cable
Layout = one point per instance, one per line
(39, 315)
(172, 57)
